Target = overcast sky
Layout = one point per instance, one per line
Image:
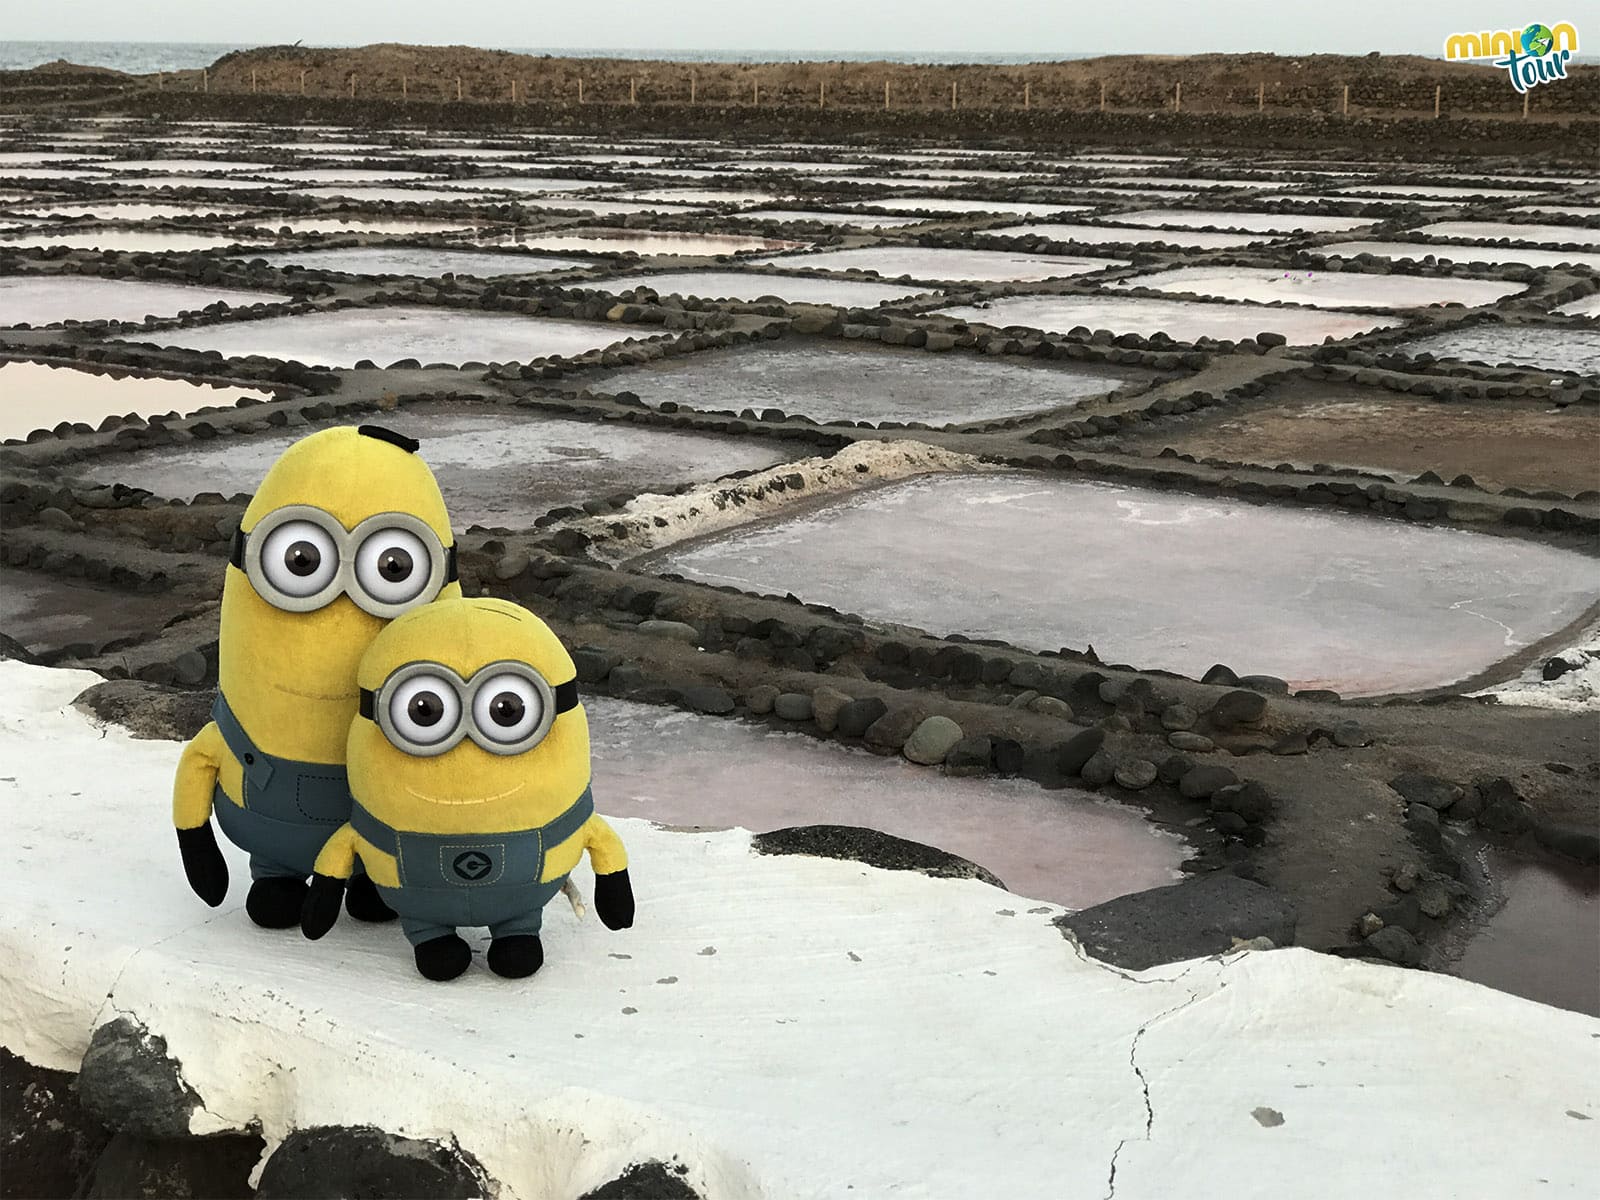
(1043, 27)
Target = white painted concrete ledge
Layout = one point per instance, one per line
(787, 1027)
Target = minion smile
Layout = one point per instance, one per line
(315, 695)
(475, 800)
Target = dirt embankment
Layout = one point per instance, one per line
(1198, 83)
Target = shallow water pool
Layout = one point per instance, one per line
(385, 335)
(1161, 580)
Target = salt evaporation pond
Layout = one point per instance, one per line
(395, 195)
(753, 285)
(44, 300)
(1527, 256)
(1383, 202)
(1560, 210)
(1183, 320)
(604, 208)
(496, 466)
(947, 204)
(1551, 347)
(421, 261)
(358, 223)
(1321, 289)
(1548, 235)
(1155, 183)
(1248, 222)
(125, 210)
(1159, 580)
(1404, 191)
(1066, 847)
(687, 196)
(385, 335)
(187, 166)
(652, 242)
(1541, 943)
(121, 237)
(848, 220)
(792, 165)
(48, 612)
(24, 176)
(937, 263)
(533, 183)
(467, 152)
(856, 381)
(33, 396)
(1112, 234)
(207, 183)
(9, 157)
(1589, 306)
(345, 175)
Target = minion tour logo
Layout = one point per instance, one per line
(1531, 56)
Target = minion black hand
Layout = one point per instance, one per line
(613, 900)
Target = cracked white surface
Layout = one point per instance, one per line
(788, 1027)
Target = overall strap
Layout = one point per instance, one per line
(258, 767)
(569, 822)
(374, 831)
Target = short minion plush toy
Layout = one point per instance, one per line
(347, 531)
(469, 768)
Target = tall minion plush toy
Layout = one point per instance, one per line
(469, 768)
(347, 531)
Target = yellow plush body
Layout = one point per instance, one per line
(288, 677)
(468, 795)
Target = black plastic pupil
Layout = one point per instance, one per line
(395, 565)
(425, 709)
(302, 559)
(507, 709)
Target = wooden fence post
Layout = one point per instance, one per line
(755, 91)
(302, 83)
(459, 93)
(161, 83)
(352, 85)
(252, 81)
(952, 95)
(1102, 95)
(405, 87)
(580, 89)
(691, 89)
(205, 79)
(1027, 97)
(1438, 95)
(1261, 97)
(1525, 96)
(1346, 104)
(885, 95)
(1177, 97)
(822, 93)
(633, 90)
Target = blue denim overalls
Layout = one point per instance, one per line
(288, 810)
(471, 879)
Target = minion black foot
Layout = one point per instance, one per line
(275, 903)
(361, 901)
(517, 956)
(443, 958)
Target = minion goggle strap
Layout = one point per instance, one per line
(426, 708)
(300, 558)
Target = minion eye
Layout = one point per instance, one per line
(393, 566)
(507, 709)
(424, 710)
(299, 558)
